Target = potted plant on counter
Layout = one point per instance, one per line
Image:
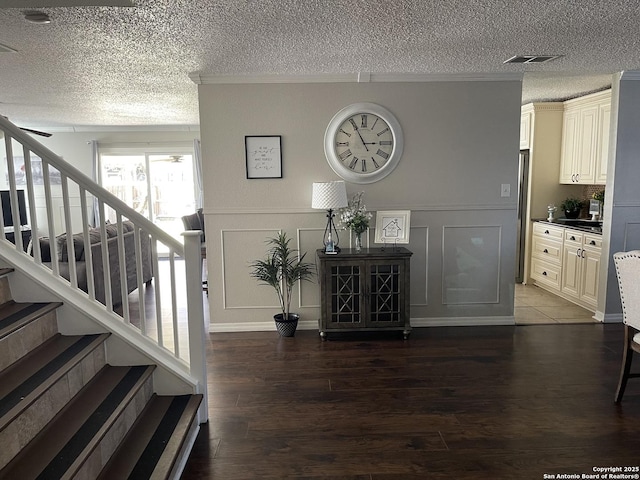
(282, 269)
(571, 207)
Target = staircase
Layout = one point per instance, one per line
(66, 413)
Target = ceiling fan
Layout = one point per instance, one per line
(29, 130)
(172, 159)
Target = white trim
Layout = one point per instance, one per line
(372, 208)
(462, 321)
(269, 326)
(121, 128)
(360, 77)
(630, 75)
(611, 318)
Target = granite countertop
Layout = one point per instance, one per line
(582, 224)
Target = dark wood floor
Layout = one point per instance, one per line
(450, 403)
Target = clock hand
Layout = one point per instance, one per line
(362, 139)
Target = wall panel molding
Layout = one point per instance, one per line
(467, 276)
(372, 208)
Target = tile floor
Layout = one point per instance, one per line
(534, 306)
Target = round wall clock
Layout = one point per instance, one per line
(363, 143)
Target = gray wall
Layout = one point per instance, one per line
(622, 201)
(461, 144)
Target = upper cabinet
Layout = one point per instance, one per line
(525, 129)
(585, 139)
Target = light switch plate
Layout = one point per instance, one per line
(505, 190)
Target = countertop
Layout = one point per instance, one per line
(582, 224)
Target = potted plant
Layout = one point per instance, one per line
(282, 269)
(571, 207)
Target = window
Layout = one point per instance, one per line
(157, 184)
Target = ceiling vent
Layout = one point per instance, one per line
(5, 49)
(532, 58)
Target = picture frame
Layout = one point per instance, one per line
(392, 226)
(263, 154)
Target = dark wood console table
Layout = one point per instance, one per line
(364, 291)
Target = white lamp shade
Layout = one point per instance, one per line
(329, 195)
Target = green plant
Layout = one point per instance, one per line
(282, 269)
(571, 203)
(599, 195)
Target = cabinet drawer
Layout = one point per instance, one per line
(545, 273)
(546, 230)
(593, 241)
(546, 249)
(573, 236)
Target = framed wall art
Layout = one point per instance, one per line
(392, 226)
(263, 156)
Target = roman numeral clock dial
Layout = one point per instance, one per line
(363, 143)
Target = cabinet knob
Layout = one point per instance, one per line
(578, 252)
(573, 238)
(582, 254)
(544, 273)
(546, 251)
(573, 177)
(546, 232)
(577, 177)
(592, 242)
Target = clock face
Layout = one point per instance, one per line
(363, 143)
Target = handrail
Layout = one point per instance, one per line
(115, 260)
(85, 182)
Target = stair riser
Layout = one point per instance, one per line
(24, 427)
(97, 459)
(16, 345)
(5, 290)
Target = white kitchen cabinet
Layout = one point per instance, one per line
(525, 130)
(585, 139)
(581, 267)
(603, 143)
(566, 262)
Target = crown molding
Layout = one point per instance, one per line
(630, 75)
(122, 128)
(361, 77)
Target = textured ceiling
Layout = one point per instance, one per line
(130, 66)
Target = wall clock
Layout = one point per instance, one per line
(363, 143)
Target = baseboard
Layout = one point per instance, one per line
(611, 318)
(270, 326)
(462, 321)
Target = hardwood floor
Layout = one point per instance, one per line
(450, 403)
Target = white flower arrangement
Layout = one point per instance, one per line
(355, 216)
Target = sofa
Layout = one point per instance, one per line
(96, 259)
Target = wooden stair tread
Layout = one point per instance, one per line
(63, 445)
(24, 381)
(154, 442)
(14, 315)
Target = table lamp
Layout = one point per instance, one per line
(329, 196)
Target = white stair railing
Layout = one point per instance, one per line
(115, 266)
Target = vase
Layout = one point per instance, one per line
(358, 243)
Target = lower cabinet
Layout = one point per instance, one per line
(567, 262)
(581, 267)
(364, 291)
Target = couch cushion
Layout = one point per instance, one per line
(45, 249)
(78, 247)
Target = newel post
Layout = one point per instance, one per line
(195, 315)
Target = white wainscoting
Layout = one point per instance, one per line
(471, 264)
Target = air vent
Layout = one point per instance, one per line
(5, 49)
(532, 58)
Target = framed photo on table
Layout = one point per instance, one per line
(392, 226)
(263, 156)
